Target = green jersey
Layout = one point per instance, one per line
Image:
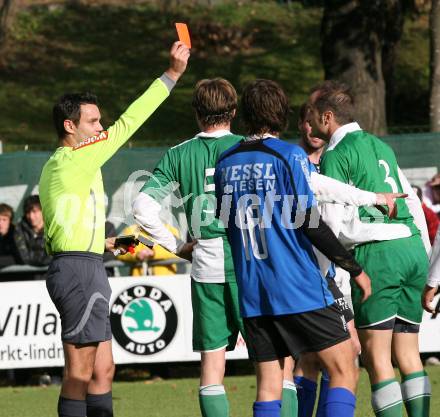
(361, 159)
(190, 166)
(71, 188)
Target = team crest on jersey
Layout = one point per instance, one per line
(143, 320)
(92, 140)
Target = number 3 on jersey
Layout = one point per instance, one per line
(389, 180)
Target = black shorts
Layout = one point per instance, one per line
(340, 300)
(397, 325)
(274, 337)
(78, 286)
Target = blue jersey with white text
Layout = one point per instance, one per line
(263, 191)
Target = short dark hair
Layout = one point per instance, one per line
(68, 107)
(30, 202)
(6, 210)
(214, 101)
(336, 97)
(265, 107)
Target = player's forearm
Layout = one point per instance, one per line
(434, 268)
(146, 213)
(322, 237)
(415, 208)
(351, 231)
(329, 190)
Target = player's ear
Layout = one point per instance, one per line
(69, 126)
(327, 117)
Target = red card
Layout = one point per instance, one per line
(183, 33)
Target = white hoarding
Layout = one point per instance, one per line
(151, 321)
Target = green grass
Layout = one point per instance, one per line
(174, 397)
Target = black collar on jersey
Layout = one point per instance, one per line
(259, 145)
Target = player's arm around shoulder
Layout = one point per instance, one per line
(109, 141)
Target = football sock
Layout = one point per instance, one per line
(323, 392)
(340, 403)
(71, 408)
(416, 394)
(99, 405)
(289, 403)
(213, 401)
(386, 399)
(267, 408)
(306, 392)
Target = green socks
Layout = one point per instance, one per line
(416, 393)
(386, 399)
(213, 401)
(289, 404)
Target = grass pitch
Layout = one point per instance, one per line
(173, 397)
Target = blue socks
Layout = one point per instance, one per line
(323, 392)
(340, 403)
(267, 408)
(306, 391)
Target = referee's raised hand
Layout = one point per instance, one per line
(179, 55)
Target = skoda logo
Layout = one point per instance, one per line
(143, 319)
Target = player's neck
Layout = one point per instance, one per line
(215, 128)
(315, 156)
(332, 129)
(313, 153)
(68, 141)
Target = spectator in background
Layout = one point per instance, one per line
(431, 194)
(8, 250)
(432, 221)
(29, 234)
(143, 254)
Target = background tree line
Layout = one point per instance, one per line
(359, 39)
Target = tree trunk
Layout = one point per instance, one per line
(354, 34)
(435, 66)
(6, 11)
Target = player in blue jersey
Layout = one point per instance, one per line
(266, 203)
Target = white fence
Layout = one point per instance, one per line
(157, 328)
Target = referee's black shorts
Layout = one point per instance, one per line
(78, 286)
(274, 337)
